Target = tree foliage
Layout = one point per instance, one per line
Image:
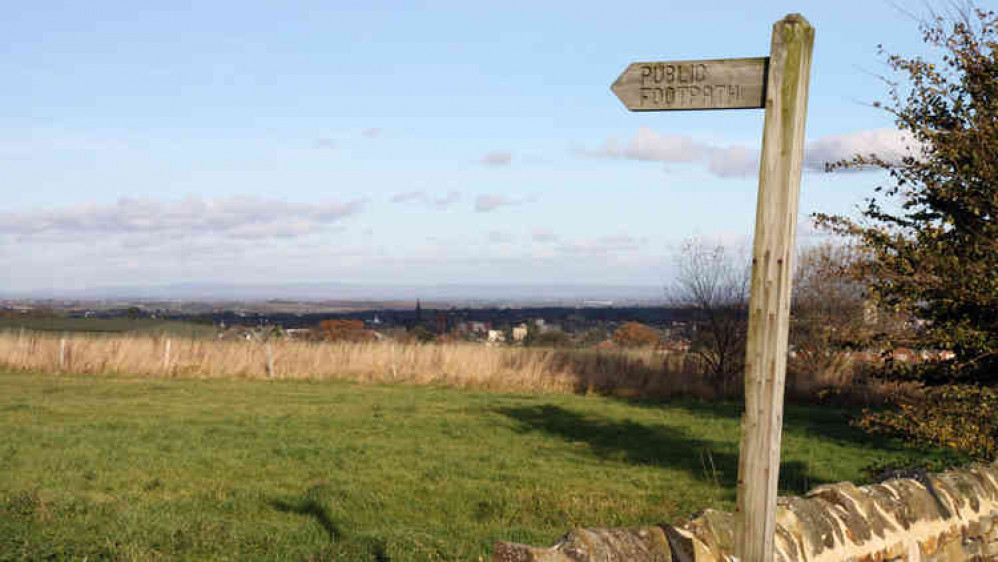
(929, 234)
(344, 330)
(959, 417)
(635, 334)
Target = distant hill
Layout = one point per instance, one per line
(503, 294)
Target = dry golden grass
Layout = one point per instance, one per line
(622, 373)
(618, 373)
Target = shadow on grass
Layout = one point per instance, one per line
(310, 508)
(652, 444)
(830, 423)
(355, 548)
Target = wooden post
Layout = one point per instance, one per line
(395, 373)
(62, 354)
(270, 362)
(769, 305)
(166, 356)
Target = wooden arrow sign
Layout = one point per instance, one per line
(697, 84)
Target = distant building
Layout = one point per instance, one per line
(676, 346)
(298, 333)
(520, 332)
(495, 336)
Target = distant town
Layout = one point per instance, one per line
(589, 323)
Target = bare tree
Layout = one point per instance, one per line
(829, 315)
(713, 282)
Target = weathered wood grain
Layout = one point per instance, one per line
(689, 85)
(769, 304)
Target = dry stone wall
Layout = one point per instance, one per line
(947, 517)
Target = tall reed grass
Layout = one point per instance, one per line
(623, 373)
(618, 373)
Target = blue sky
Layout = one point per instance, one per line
(397, 143)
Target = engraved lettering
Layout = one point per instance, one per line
(645, 74)
(651, 86)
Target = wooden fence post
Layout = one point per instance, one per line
(270, 361)
(395, 373)
(166, 356)
(772, 269)
(62, 353)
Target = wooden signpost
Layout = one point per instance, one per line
(699, 84)
(779, 84)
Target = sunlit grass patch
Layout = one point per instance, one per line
(155, 469)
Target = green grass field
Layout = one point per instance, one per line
(137, 469)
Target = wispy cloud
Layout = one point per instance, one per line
(421, 197)
(237, 217)
(743, 161)
(489, 202)
(373, 132)
(498, 158)
(409, 196)
(447, 200)
(543, 235)
(648, 145)
(325, 143)
(612, 244)
(500, 237)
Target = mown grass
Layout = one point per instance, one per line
(155, 469)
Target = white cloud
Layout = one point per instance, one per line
(733, 162)
(498, 158)
(649, 146)
(233, 217)
(743, 161)
(888, 144)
